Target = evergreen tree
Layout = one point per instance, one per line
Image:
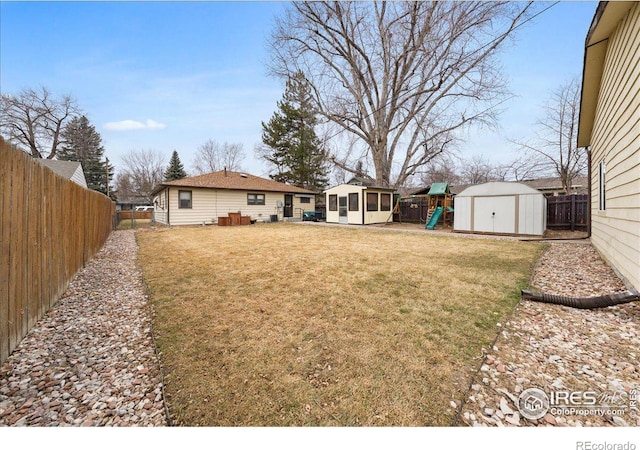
(81, 142)
(290, 140)
(175, 170)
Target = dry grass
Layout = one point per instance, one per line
(272, 325)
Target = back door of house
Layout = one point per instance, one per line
(288, 205)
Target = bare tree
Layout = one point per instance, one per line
(402, 76)
(212, 156)
(554, 149)
(523, 167)
(440, 169)
(478, 170)
(35, 119)
(143, 170)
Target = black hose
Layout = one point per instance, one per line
(582, 302)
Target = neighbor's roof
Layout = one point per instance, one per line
(362, 181)
(226, 179)
(70, 170)
(579, 183)
(605, 21)
(63, 168)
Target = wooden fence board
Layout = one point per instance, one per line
(5, 208)
(15, 258)
(49, 229)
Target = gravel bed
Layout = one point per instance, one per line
(91, 360)
(560, 349)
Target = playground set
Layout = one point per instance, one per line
(433, 207)
(440, 206)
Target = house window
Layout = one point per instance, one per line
(385, 202)
(353, 202)
(602, 187)
(333, 202)
(372, 201)
(255, 199)
(305, 199)
(184, 199)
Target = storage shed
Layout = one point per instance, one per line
(358, 204)
(500, 208)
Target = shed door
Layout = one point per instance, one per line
(494, 214)
(342, 210)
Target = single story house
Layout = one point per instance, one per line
(358, 202)
(204, 198)
(500, 207)
(128, 203)
(552, 186)
(609, 126)
(70, 170)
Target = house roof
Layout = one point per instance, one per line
(553, 183)
(580, 184)
(70, 170)
(362, 181)
(605, 20)
(226, 179)
(65, 169)
(359, 187)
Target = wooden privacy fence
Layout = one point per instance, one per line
(568, 212)
(49, 229)
(413, 210)
(126, 214)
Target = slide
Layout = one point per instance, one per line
(434, 218)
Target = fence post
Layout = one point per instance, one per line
(573, 213)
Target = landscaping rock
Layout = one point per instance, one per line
(554, 347)
(91, 354)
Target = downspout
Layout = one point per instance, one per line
(589, 206)
(168, 199)
(582, 302)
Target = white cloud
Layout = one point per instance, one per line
(155, 125)
(127, 125)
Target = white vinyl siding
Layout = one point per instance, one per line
(615, 139)
(209, 204)
(78, 177)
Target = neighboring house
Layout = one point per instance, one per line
(205, 198)
(70, 170)
(610, 126)
(358, 202)
(127, 203)
(552, 186)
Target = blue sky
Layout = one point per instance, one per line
(171, 75)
